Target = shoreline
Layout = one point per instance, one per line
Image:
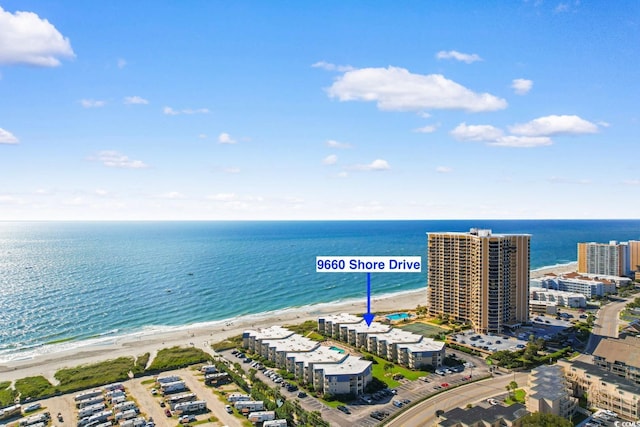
(199, 335)
(47, 359)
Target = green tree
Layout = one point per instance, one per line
(538, 419)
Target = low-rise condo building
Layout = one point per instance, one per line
(277, 350)
(252, 339)
(350, 376)
(603, 389)
(395, 345)
(619, 356)
(328, 369)
(575, 283)
(549, 392)
(301, 364)
(560, 298)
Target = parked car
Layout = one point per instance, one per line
(343, 409)
(302, 395)
(186, 419)
(228, 409)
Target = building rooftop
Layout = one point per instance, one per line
(479, 232)
(342, 318)
(625, 350)
(604, 376)
(547, 381)
(350, 366)
(271, 333)
(427, 344)
(488, 415)
(322, 354)
(295, 343)
(376, 327)
(397, 336)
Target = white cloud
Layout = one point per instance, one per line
(114, 159)
(464, 132)
(494, 136)
(202, 136)
(25, 38)
(426, 129)
(632, 182)
(522, 141)
(521, 86)
(376, 165)
(332, 67)
(444, 169)
(563, 180)
(171, 112)
(101, 192)
(225, 138)
(135, 100)
(231, 170)
(336, 144)
(458, 56)
(555, 125)
(92, 103)
(7, 137)
(396, 89)
(122, 63)
(331, 159)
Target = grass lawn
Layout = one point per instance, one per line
(387, 376)
(333, 404)
(421, 328)
(519, 395)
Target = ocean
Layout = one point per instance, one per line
(65, 282)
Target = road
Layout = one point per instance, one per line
(606, 325)
(423, 414)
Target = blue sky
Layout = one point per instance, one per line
(319, 110)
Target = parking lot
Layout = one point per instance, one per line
(545, 327)
(138, 390)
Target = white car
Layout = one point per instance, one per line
(228, 409)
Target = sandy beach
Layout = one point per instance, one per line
(138, 344)
(556, 269)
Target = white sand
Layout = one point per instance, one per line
(556, 269)
(136, 345)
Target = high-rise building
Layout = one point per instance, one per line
(610, 259)
(479, 277)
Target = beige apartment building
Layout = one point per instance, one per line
(603, 389)
(479, 277)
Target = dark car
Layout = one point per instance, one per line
(302, 395)
(343, 409)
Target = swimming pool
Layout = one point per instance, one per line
(338, 349)
(397, 316)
